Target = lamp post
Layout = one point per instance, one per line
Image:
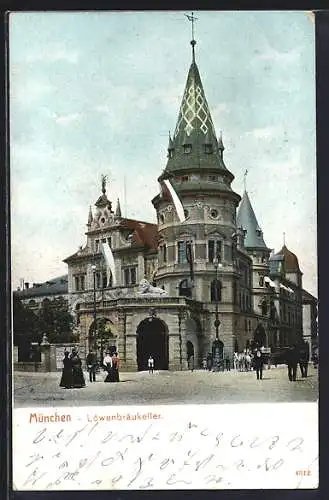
(216, 353)
(93, 267)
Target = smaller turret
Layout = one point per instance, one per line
(118, 209)
(90, 217)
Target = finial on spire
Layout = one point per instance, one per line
(284, 239)
(193, 42)
(104, 179)
(245, 179)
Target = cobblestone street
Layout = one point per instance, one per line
(199, 387)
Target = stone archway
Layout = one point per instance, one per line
(105, 338)
(152, 339)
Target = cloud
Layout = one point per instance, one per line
(67, 119)
(53, 53)
(271, 54)
(265, 132)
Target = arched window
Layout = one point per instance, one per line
(261, 281)
(216, 291)
(184, 289)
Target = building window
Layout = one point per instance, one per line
(187, 148)
(76, 283)
(104, 279)
(164, 253)
(98, 280)
(181, 246)
(109, 242)
(214, 250)
(82, 282)
(261, 281)
(216, 291)
(208, 148)
(184, 290)
(130, 275)
(213, 178)
(184, 178)
(96, 246)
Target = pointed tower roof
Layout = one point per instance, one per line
(118, 209)
(90, 216)
(246, 219)
(194, 117)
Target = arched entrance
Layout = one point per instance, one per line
(193, 340)
(189, 349)
(152, 339)
(103, 338)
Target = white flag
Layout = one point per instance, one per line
(176, 201)
(109, 259)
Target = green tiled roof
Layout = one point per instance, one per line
(246, 219)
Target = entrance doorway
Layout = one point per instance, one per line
(152, 340)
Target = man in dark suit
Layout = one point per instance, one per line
(304, 357)
(292, 362)
(91, 362)
(258, 363)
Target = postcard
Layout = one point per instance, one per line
(164, 253)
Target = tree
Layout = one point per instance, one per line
(25, 328)
(56, 321)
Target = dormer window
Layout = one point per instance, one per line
(187, 148)
(170, 153)
(208, 149)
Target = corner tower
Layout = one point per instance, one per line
(259, 252)
(196, 169)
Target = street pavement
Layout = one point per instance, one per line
(142, 388)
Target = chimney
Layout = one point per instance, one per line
(26, 285)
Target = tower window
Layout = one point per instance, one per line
(109, 242)
(181, 246)
(216, 291)
(184, 289)
(187, 148)
(208, 149)
(96, 245)
(261, 281)
(184, 178)
(214, 250)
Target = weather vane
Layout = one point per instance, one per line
(245, 180)
(193, 42)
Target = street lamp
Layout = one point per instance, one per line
(93, 267)
(216, 353)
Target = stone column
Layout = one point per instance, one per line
(177, 341)
(45, 354)
(130, 346)
(121, 340)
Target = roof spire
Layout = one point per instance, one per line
(284, 239)
(90, 216)
(104, 179)
(193, 42)
(245, 180)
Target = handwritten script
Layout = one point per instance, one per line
(167, 447)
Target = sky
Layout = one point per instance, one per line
(95, 93)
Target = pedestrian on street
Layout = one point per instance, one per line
(258, 363)
(78, 379)
(292, 361)
(115, 367)
(209, 362)
(66, 379)
(91, 362)
(190, 363)
(108, 365)
(227, 364)
(150, 364)
(304, 357)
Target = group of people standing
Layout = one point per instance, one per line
(72, 373)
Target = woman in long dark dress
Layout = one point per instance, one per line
(66, 380)
(115, 367)
(77, 373)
